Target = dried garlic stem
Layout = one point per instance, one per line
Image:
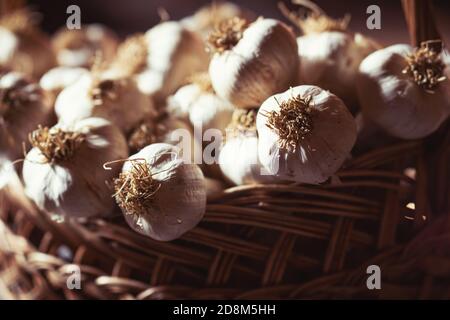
(227, 34)
(147, 132)
(425, 66)
(56, 144)
(21, 21)
(317, 21)
(134, 190)
(132, 55)
(202, 80)
(293, 122)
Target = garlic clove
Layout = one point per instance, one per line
(161, 196)
(65, 165)
(305, 134)
(252, 61)
(394, 101)
(77, 47)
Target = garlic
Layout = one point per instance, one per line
(58, 78)
(305, 134)
(162, 58)
(198, 102)
(24, 48)
(252, 61)
(63, 171)
(214, 188)
(405, 92)
(77, 47)
(238, 158)
(93, 95)
(159, 129)
(161, 196)
(207, 17)
(329, 53)
(22, 108)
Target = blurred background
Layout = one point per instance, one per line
(132, 16)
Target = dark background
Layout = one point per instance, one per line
(130, 16)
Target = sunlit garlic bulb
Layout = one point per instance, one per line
(198, 103)
(162, 59)
(405, 91)
(161, 196)
(24, 48)
(78, 47)
(305, 134)
(116, 99)
(22, 108)
(58, 78)
(238, 158)
(252, 61)
(329, 53)
(63, 172)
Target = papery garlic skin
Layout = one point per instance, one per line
(394, 102)
(22, 108)
(126, 108)
(239, 162)
(263, 62)
(201, 108)
(58, 78)
(77, 47)
(77, 187)
(321, 152)
(179, 203)
(174, 53)
(331, 59)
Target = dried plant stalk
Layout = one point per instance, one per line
(55, 143)
(132, 55)
(147, 132)
(293, 122)
(227, 34)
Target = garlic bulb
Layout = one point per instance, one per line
(214, 188)
(305, 134)
(63, 171)
(406, 92)
(159, 129)
(23, 47)
(92, 95)
(162, 58)
(77, 47)
(22, 108)
(329, 53)
(252, 61)
(207, 17)
(58, 78)
(161, 196)
(198, 102)
(238, 158)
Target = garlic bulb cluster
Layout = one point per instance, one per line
(161, 196)
(116, 99)
(22, 108)
(238, 158)
(305, 134)
(162, 58)
(23, 47)
(63, 171)
(405, 92)
(329, 53)
(78, 47)
(198, 103)
(252, 60)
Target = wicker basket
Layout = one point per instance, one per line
(388, 207)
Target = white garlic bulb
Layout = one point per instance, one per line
(22, 108)
(198, 103)
(117, 100)
(63, 172)
(24, 48)
(404, 91)
(162, 59)
(77, 47)
(252, 61)
(161, 196)
(305, 134)
(58, 78)
(238, 158)
(329, 53)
